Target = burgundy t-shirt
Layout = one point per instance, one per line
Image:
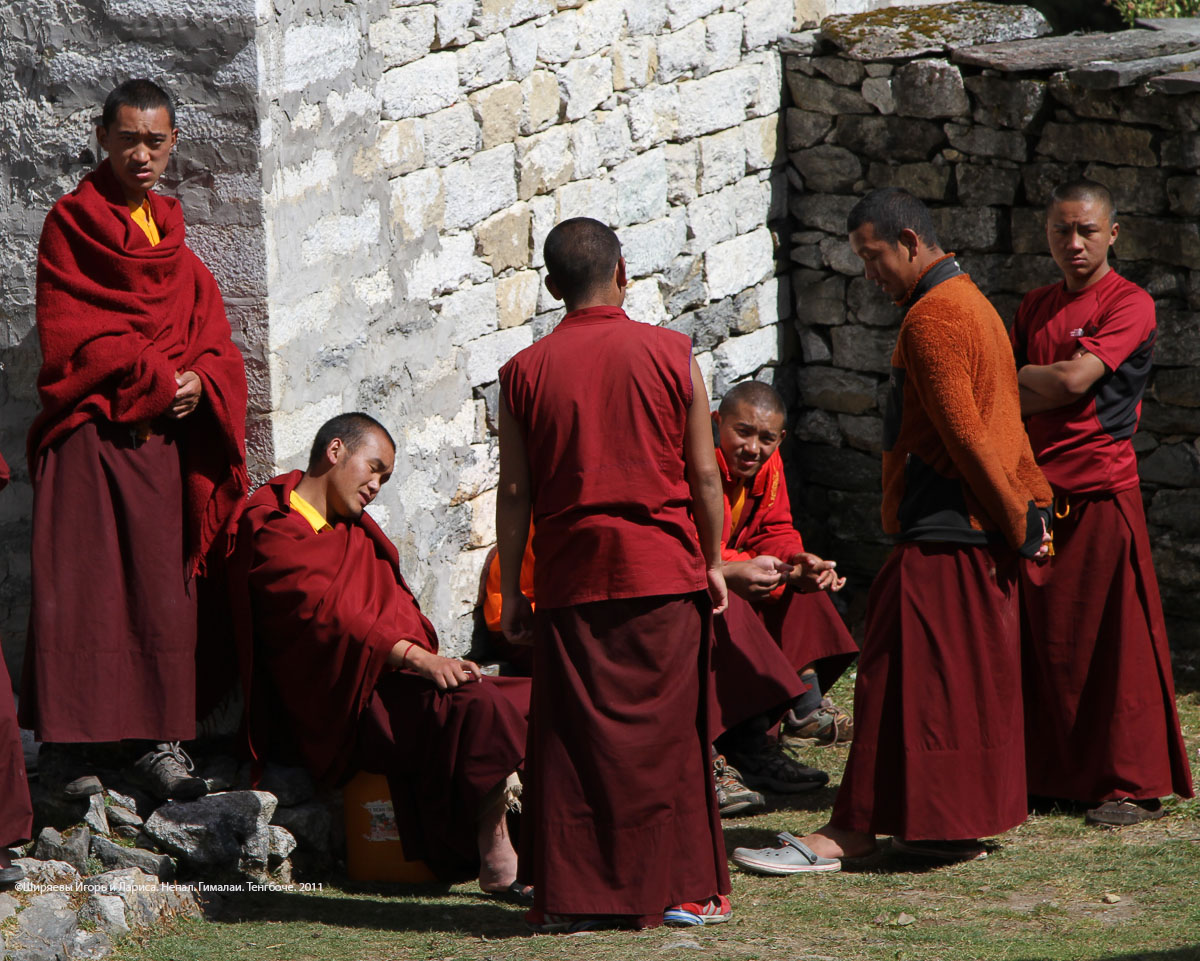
(1087, 446)
(603, 403)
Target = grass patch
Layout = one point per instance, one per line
(1040, 896)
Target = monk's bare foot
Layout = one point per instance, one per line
(497, 857)
(831, 842)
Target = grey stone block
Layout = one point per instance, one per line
(116, 856)
(924, 180)
(223, 833)
(985, 184)
(821, 96)
(863, 348)
(1171, 465)
(892, 139)
(839, 468)
(968, 228)
(930, 88)
(976, 141)
(1104, 143)
(837, 391)
(827, 169)
(1002, 102)
(806, 128)
(71, 846)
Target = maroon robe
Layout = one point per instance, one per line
(127, 501)
(621, 817)
(316, 616)
(938, 752)
(16, 810)
(1100, 714)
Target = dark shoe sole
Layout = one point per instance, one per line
(783, 787)
(1122, 816)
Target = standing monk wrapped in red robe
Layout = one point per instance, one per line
(766, 563)
(339, 665)
(605, 436)
(137, 459)
(1100, 719)
(16, 811)
(938, 757)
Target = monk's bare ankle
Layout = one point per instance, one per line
(497, 857)
(831, 842)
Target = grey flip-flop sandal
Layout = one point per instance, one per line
(793, 857)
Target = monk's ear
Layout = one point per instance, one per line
(553, 288)
(910, 242)
(716, 418)
(619, 276)
(334, 451)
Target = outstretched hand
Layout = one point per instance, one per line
(756, 577)
(811, 574)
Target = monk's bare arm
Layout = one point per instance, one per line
(1050, 386)
(704, 479)
(513, 503)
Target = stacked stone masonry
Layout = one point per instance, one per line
(982, 132)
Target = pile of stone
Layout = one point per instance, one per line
(974, 109)
(121, 861)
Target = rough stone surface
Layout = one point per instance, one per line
(897, 33)
(116, 856)
(224, 834)
(71, 846)
(929, 88)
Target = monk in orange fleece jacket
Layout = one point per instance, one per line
(938, 758)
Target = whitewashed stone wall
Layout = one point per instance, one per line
(414, 158)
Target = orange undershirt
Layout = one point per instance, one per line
(309, 513)
(143, 218)
(737, 504)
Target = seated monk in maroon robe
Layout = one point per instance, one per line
(766, 563)
(16, 811)
(137, 460)
(605, 440)
(1101, 725)
(340, 667)
(938, 757)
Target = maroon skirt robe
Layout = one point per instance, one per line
(619, 815)
(809, 630)
(16, 810)
(938, 750)
(750, 674)
(1100, 716)
(112, 633)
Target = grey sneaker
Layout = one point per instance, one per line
(733, 797)
(166, 773)
(773, 770)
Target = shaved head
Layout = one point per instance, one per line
(351, 429)
(581, 255)
(755, 394)
(1079, 191)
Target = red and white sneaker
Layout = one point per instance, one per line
(716, 910)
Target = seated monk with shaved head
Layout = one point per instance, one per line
(340, 665)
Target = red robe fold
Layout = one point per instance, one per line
(938, 752)
(16, 811)
(1100, 714)
(116, 319)
(316, 615)
(806, 626)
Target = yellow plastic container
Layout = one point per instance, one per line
(373, 848)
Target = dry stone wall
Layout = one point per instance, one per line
(982, 132)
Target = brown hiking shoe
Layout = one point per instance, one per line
(733, 797)
(828, 724)
(166, 773)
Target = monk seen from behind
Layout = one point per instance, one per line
(605, 439)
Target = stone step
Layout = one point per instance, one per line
(1068, 53)
(1109, 74)
(1177, 83)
